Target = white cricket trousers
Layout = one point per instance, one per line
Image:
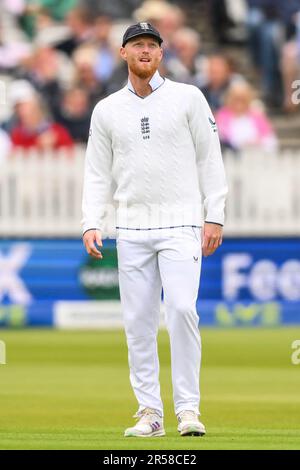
(148, 261)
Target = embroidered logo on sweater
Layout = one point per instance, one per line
(213, 125)
(145, 128)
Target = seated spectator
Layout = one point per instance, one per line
(119, 78)
(243, 125)
(56, 10)
(5, 146)
(165, 17)
(32, 128)
(80, 22)
(188, 65)
(85, 59)
(220, 75)
(228, 20)
(270, 23)
(106, 59)
(48, 31)
(75, 114)
(42, 71)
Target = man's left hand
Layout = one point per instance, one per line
(212, 238)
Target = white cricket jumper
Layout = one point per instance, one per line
(157, 160)
(152, 162)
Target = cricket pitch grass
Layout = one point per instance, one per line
(70, 390)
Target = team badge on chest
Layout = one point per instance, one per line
(145, 128)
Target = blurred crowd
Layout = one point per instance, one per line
(59, 58)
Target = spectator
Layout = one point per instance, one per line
(220, 75)
(75, 114)
(189, 65)
(119, 78)
(48, 31)
(242, 125)
(42, 71)
(228, 20)
(106, 58)
(32, 127)
(80, 20)
(270, 22)
(85, 60)
(290, 67)
(166, 18)
(52, 8)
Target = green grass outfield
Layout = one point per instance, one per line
(70, 390)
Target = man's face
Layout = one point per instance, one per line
(143, 55)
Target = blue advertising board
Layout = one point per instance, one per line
(246, 282)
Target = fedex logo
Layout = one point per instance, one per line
(264, 279)
(11, 284)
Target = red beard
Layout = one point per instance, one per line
(143, 72)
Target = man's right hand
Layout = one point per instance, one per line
(89, 239)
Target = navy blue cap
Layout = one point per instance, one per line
(140, 29)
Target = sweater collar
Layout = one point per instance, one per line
(156, 81)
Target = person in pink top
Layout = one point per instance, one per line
(241, 123)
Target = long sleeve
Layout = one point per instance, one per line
(211, 173)
(97, 174)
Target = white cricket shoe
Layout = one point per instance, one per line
(150, 424)
(189, 424)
